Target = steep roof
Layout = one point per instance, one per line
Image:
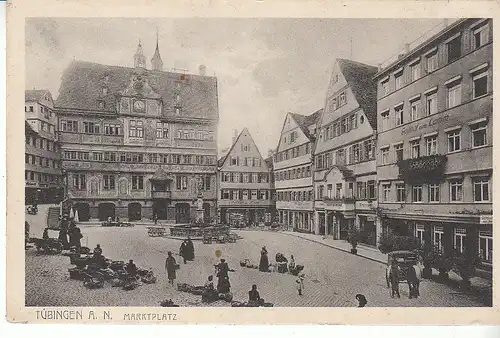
(359, 77)
(220, 161)
(28, 129)
(305, 122)
(35, 95)
(82, 82)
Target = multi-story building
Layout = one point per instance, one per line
(138, 142)
(43, 180)
(244, 184)
(434, 163)
(293, 171)
(345, 169)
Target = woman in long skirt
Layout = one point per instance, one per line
(170, 267)
(264, 261)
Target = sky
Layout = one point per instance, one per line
(264, 67)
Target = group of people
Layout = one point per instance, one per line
(186, 250)
(411, 278)
(69, 229)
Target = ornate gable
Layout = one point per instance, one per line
(139, 87)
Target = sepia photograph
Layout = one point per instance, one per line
(258, 162)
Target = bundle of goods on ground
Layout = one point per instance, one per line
(95, 270)
(281, 265)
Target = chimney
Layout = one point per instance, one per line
(407, 48)
(445, 23)
(202, 70)
(379, 66)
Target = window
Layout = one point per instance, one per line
(478, 134)
(432, 62)
(111, 129)
(400, 192)
(385, 87)
(456, 191)
(431, 104)
(416, 193)
(355, 154)
(454, 48)
(419, 233)
(386, 192)
(91, 127)
(97, 156)
(438, 237)
(415, 149)
(342, 99)
(181, 183)
(399, 79)
(109, 182)
(340, 158)
(338, 191)
(454, 96)
(385, 155)
(361, 188)
(431, 145)
(414, 110)
(481, 189)
(433, 192)
(136, 128)
(69, 126)
(481, 36)
(371, 189)
(79, 181)
(385, 120)
(454, 141)
(293, 137)
(161, 130)
(137, 182)
(398, 150)
(480, 85)
(415, 71)
(329, 191)
(398, 112)
(459, 240)
(320, 192)
(109, 156)
(43, 126)
(369, 149)
(486, 246)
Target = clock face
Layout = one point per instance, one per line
(139, 105)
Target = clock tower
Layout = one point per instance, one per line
(139, 59)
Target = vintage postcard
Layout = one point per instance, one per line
(262, 163)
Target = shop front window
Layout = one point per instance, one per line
(486, 246)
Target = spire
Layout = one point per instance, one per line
(156, 61)
(139, 59)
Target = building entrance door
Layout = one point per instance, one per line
(182, 213)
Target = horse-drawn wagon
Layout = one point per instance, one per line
(116, 224)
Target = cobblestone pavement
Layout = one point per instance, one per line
(333, 278)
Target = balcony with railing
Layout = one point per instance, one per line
(339, 203)
(161, 194)
(423, 169)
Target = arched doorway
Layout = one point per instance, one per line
(134, 211)
(106, 210)
(182, 213)
(83, 211)
(206, 212)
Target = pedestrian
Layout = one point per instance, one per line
(291, 265)
(155, 218)
(190, 249)
(170, 267)
(394, 278)
(183, 251)
(63, 237)
(98, 250)
(361, 300)
(264, 260)
(300, 283)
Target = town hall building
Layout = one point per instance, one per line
(138, 142)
